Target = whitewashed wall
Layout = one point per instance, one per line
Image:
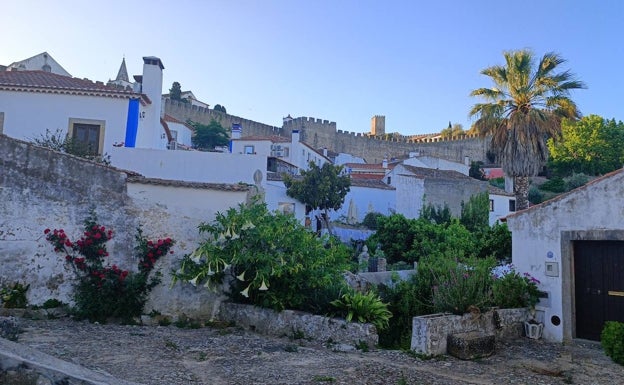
(537, 238)
(437, 163)
(367, 200)
(501, 207)
(27, 115)
(196, 166)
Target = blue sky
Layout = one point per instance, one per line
(343, 60)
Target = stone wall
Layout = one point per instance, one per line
(320, 133)
(298, 324)
(430, 332)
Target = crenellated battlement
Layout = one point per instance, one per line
(322, 133)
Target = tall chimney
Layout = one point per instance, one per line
(150, 134)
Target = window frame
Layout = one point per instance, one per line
(101, 124)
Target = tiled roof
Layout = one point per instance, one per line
(46, 82)
(371, 183)
(435, 173)
(499, 191)
(272, 138)
(366, 176)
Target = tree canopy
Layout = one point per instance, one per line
(452, 131)
(175, 92)
(220, 108)
(592, 145)
(321, 188)
(522, 110)
(207, 137)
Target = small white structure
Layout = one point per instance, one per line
(502, 204)
(41, 62)
(574, 245)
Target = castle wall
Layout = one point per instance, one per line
(320, 133)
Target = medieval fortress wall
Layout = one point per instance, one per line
(319, 133)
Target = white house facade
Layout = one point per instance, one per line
(574, 245)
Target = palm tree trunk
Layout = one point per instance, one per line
(521, 189)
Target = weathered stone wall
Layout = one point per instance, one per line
(430, 332)
(320, 133)
(42, 189)
(289, 322)
(452, 192)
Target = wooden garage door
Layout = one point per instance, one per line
(599, 285)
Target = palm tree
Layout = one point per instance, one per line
(523, 110)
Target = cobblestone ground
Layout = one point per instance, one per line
(213, 356)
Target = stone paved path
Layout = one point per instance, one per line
(214, 356)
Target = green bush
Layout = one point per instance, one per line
(364, 307)
(463, 288)
(494, 242)
(371, 220)
(535, 195)
(612, 340)
(14, 296)
(513, 290)
(556, 185)
(498, 182)
(575, 180)
(273, 260)
(404, 302)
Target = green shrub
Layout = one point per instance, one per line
(498, 182)
(556, 185)
(273, 260)
(371, 220)
(494, 241)
(513, 290)
(14, 296)
(52, 303)
(612, 340)
(535, 195)
(575, 180)
(463, 288)
(404, 302)
(364, 307)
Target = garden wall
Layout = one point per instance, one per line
(430, 332)
(298, 324)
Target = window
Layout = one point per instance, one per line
(491, 204)
(512, 205)
(286, 207)
(388, 180)
(87, 136)
(249, 150)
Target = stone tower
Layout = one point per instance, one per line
(378, 125)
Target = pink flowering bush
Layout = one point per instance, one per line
(103, 291)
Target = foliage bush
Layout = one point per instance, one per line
(475, 214)
(498, 182)
(512, 290)
(103, 291)
(463, 288)
(364, 307)
(575, 181)
(612, 341)
(436, 214)
(272, 260)
(14, 296)
(535, 195)
(371, 220)
(494, 241)
(556, 185)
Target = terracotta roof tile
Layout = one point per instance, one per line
(435, 173)
(40, 81)
(199, 185)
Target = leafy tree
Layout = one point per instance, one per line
(522, 110)
(175, 92)
(452, 131)
(319, 187)
(438, 215)
(475, 215)
(476, 170)
(207, 137)
(592, 145)
(220, 108)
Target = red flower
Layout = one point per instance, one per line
(46, 231)
(171, 252)
(97, 235)
(68, 257)
(68, 243)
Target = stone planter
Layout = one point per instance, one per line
(430, 332)
(533, 330)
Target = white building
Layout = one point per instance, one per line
(41, 62)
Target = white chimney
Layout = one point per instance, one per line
(295, 137)
(384, 163)
(325, 152)
(150, 129)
